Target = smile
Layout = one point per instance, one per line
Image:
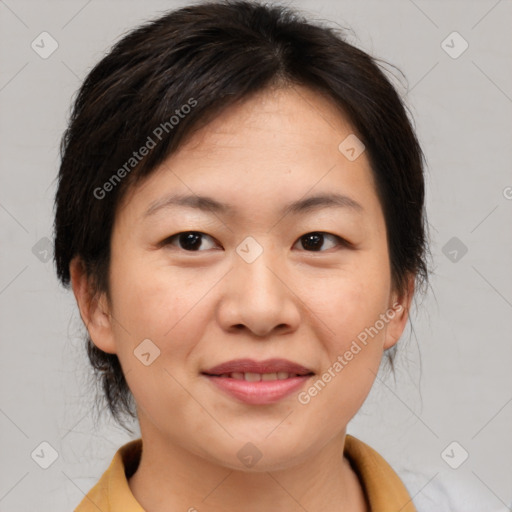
(258, 389)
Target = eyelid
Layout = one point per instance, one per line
(167, 241)
(341, 241)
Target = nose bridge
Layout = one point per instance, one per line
(256, 294)
(256, 266)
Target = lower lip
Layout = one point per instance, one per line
(261, 392)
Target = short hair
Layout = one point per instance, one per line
(173, 75)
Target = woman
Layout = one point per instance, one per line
(240, 214)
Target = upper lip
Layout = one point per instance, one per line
(252, 366)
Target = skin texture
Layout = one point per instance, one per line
(205, 307)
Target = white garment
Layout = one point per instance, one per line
(448, 492)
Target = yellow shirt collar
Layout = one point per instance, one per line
(382, 486)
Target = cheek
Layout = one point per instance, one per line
(350, 302)
(170, 307)
(163, 307)
(349, 309)
(152, 299)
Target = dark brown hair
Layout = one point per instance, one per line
(170, 77)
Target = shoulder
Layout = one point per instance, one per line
(112, 491)
(381, 484)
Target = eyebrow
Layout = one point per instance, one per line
(208, 204)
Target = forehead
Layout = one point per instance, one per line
(276, 147)
(293, 114)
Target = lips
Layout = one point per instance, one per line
(258, 382)
(249, 369)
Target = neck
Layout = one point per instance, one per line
(171, 478)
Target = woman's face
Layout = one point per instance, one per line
(252, 285)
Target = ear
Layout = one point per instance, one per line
(93, 308)
(400, 305)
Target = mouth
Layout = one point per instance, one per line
(258, 377)
(253, 382)
(269, 367)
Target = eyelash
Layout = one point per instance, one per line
(168, 241)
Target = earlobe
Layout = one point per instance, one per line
(93, 309)
(398, 315)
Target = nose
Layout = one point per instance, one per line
(259, 297)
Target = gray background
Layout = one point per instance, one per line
(454, 381)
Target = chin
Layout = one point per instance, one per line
(259, 456)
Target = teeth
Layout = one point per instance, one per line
(256, 377)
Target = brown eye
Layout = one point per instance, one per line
(189, 241)
(313, 242)
(192, 241)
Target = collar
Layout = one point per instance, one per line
(382, 486)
